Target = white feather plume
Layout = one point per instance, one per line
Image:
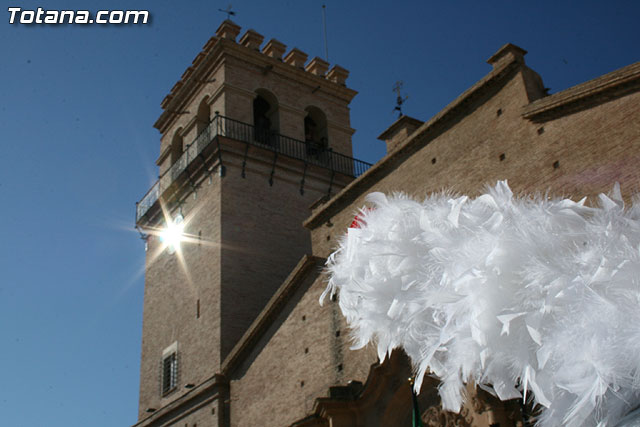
(518, 295)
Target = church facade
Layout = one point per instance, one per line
(256, 168)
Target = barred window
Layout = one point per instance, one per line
(169, 369)
(169, 373)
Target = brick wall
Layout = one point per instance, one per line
(171, 299)
(576, 155)
(297, 362)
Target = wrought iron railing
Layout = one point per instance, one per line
(310, 152)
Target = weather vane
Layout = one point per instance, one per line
(399, 100)
(228, 11)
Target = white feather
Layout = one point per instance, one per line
(508, 292)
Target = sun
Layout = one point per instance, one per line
(173, 234)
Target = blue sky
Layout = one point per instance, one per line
(77, 105)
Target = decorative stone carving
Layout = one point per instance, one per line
(438, 417)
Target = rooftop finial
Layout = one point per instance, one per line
(228, 11)
(399, 100)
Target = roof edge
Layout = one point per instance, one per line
(620, 81)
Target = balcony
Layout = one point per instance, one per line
(308, 152)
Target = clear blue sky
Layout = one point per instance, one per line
(77, 105)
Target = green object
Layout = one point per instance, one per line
(417, 419)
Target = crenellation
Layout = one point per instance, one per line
(176, 87)
(296, 58)
(228, 30)
(198, 59)
(317, 66)
(274, 49)
(165, 102)
(338, 75)
(187, 73)
(210, 43)
(252, 40)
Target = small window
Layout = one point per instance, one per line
(169, 369)
(169, 373)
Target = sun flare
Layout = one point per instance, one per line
(173, 234)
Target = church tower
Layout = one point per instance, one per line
(251, 139)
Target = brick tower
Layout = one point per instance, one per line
(251, 138)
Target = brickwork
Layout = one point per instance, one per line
(263, 240)
(248, 236)
(293, 97)
(575, 155)
(594, 148)
(171, 301)
(297, 364)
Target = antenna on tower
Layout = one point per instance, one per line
(228, 11)
(324, 26)
(399, 100)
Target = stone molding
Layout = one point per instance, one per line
(602, 89)
(216, 387)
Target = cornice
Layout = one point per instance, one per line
(599, 90)
(237, 89)
(210, 389)
(346, 129)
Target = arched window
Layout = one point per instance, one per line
(315, 131)
(176, 146)
(265, 117)
(203, 117)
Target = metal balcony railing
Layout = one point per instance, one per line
(309, 152)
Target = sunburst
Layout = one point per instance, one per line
(173, 236)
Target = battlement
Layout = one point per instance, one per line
(272, 50)
(275, 49)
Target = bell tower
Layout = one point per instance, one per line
(251, 138)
